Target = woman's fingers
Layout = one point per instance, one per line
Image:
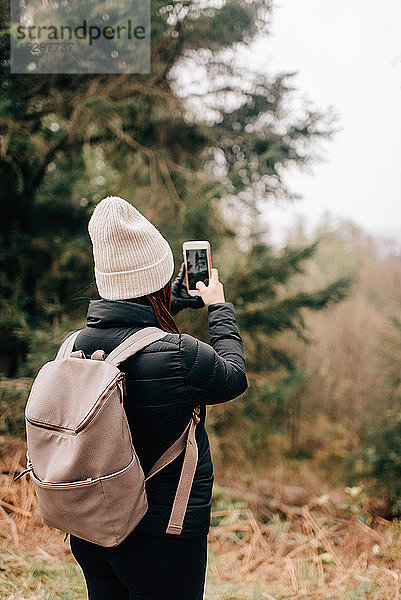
(214, 292)
(214, 275)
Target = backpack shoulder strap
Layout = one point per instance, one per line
(186, 479)
(170, 454)
(67, 346)
(186, 441)
(134, 343)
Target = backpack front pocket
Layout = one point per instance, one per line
(102, 510)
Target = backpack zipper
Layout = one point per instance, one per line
(97, 408)
(88, 417)
(83, 481)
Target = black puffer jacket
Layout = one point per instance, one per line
(165, 381)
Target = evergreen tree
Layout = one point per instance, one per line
(184, 159)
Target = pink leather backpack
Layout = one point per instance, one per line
(81, 459)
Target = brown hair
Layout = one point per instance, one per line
(160, 301)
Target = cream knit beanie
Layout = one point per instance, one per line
(132, 258)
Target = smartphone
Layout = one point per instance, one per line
(198, 264)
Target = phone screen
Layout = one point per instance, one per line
(197, 267)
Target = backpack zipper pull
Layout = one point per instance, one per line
(121, 384)
(28, 470)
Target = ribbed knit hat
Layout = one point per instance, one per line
(132, 258)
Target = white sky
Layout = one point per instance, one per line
(348, 55)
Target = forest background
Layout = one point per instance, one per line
(320, 425)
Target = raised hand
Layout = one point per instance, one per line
(212, 293)
(179, 294)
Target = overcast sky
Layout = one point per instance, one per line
(348, 55)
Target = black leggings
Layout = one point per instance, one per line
(143, 567)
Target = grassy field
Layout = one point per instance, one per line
(321, 550)
(43, 577)
(246, 562)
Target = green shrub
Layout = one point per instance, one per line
(381, 458)
(13, 397)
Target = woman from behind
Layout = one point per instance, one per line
(165, 382)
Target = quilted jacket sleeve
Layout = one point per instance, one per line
(215, 373)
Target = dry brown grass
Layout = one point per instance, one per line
(21, 527)
(312, 553)
(309, 556)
